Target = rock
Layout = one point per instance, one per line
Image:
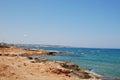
(68, 65)
(60, 71)
(30, 57)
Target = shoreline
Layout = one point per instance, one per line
(65, 70)
(61, 70)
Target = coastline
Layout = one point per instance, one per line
(59, 69)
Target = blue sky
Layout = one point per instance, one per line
(80, 23)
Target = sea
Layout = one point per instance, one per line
(105, 62)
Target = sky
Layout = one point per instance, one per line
(79, 23)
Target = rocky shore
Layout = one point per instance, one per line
(14, 51)
(18, 64)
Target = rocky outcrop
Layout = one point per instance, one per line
(13, 51)
(67, 68)
(21, 68)
(19, 64)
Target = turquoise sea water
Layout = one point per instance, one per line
(102, 61)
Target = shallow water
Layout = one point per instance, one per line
(102, 61)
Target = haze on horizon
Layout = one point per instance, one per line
(80, 23)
